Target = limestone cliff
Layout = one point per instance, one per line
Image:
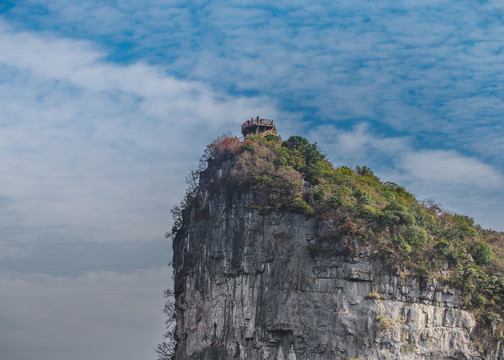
(281, 285)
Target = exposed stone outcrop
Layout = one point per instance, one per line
(250, 285)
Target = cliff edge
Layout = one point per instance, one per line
(257, 282)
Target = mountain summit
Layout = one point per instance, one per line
(279, 255)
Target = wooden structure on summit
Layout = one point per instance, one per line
(258, 126)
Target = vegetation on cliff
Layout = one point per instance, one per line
(418, 237)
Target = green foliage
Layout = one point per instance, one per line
(271, 137)
(302, 206)
(296, 142)
(402, 245)
(415, 236)
(363, 198)
(442, 248)
(481, 252)
(307, 159)
(400, 193)
(394, 213)
(294, 175)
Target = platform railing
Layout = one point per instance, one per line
(254, 122)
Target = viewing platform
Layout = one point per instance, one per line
(258, 126)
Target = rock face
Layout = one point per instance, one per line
(250, 285)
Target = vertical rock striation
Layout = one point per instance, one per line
(253, 285)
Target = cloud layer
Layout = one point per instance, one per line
(106, 106)
(94, 154)
(433, 69)
(100, 315)
(97, 150)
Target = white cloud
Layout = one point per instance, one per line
(78, 64)
(426, 67)
(100, 315)
(431, 166)
(358, 146)
(99, 151)
(96, 150)
(448, 168)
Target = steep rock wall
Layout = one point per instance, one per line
(279, 286)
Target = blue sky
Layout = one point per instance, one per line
(107, 105)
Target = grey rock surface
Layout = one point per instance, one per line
(278, 285)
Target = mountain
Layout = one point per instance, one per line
(278, 255)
